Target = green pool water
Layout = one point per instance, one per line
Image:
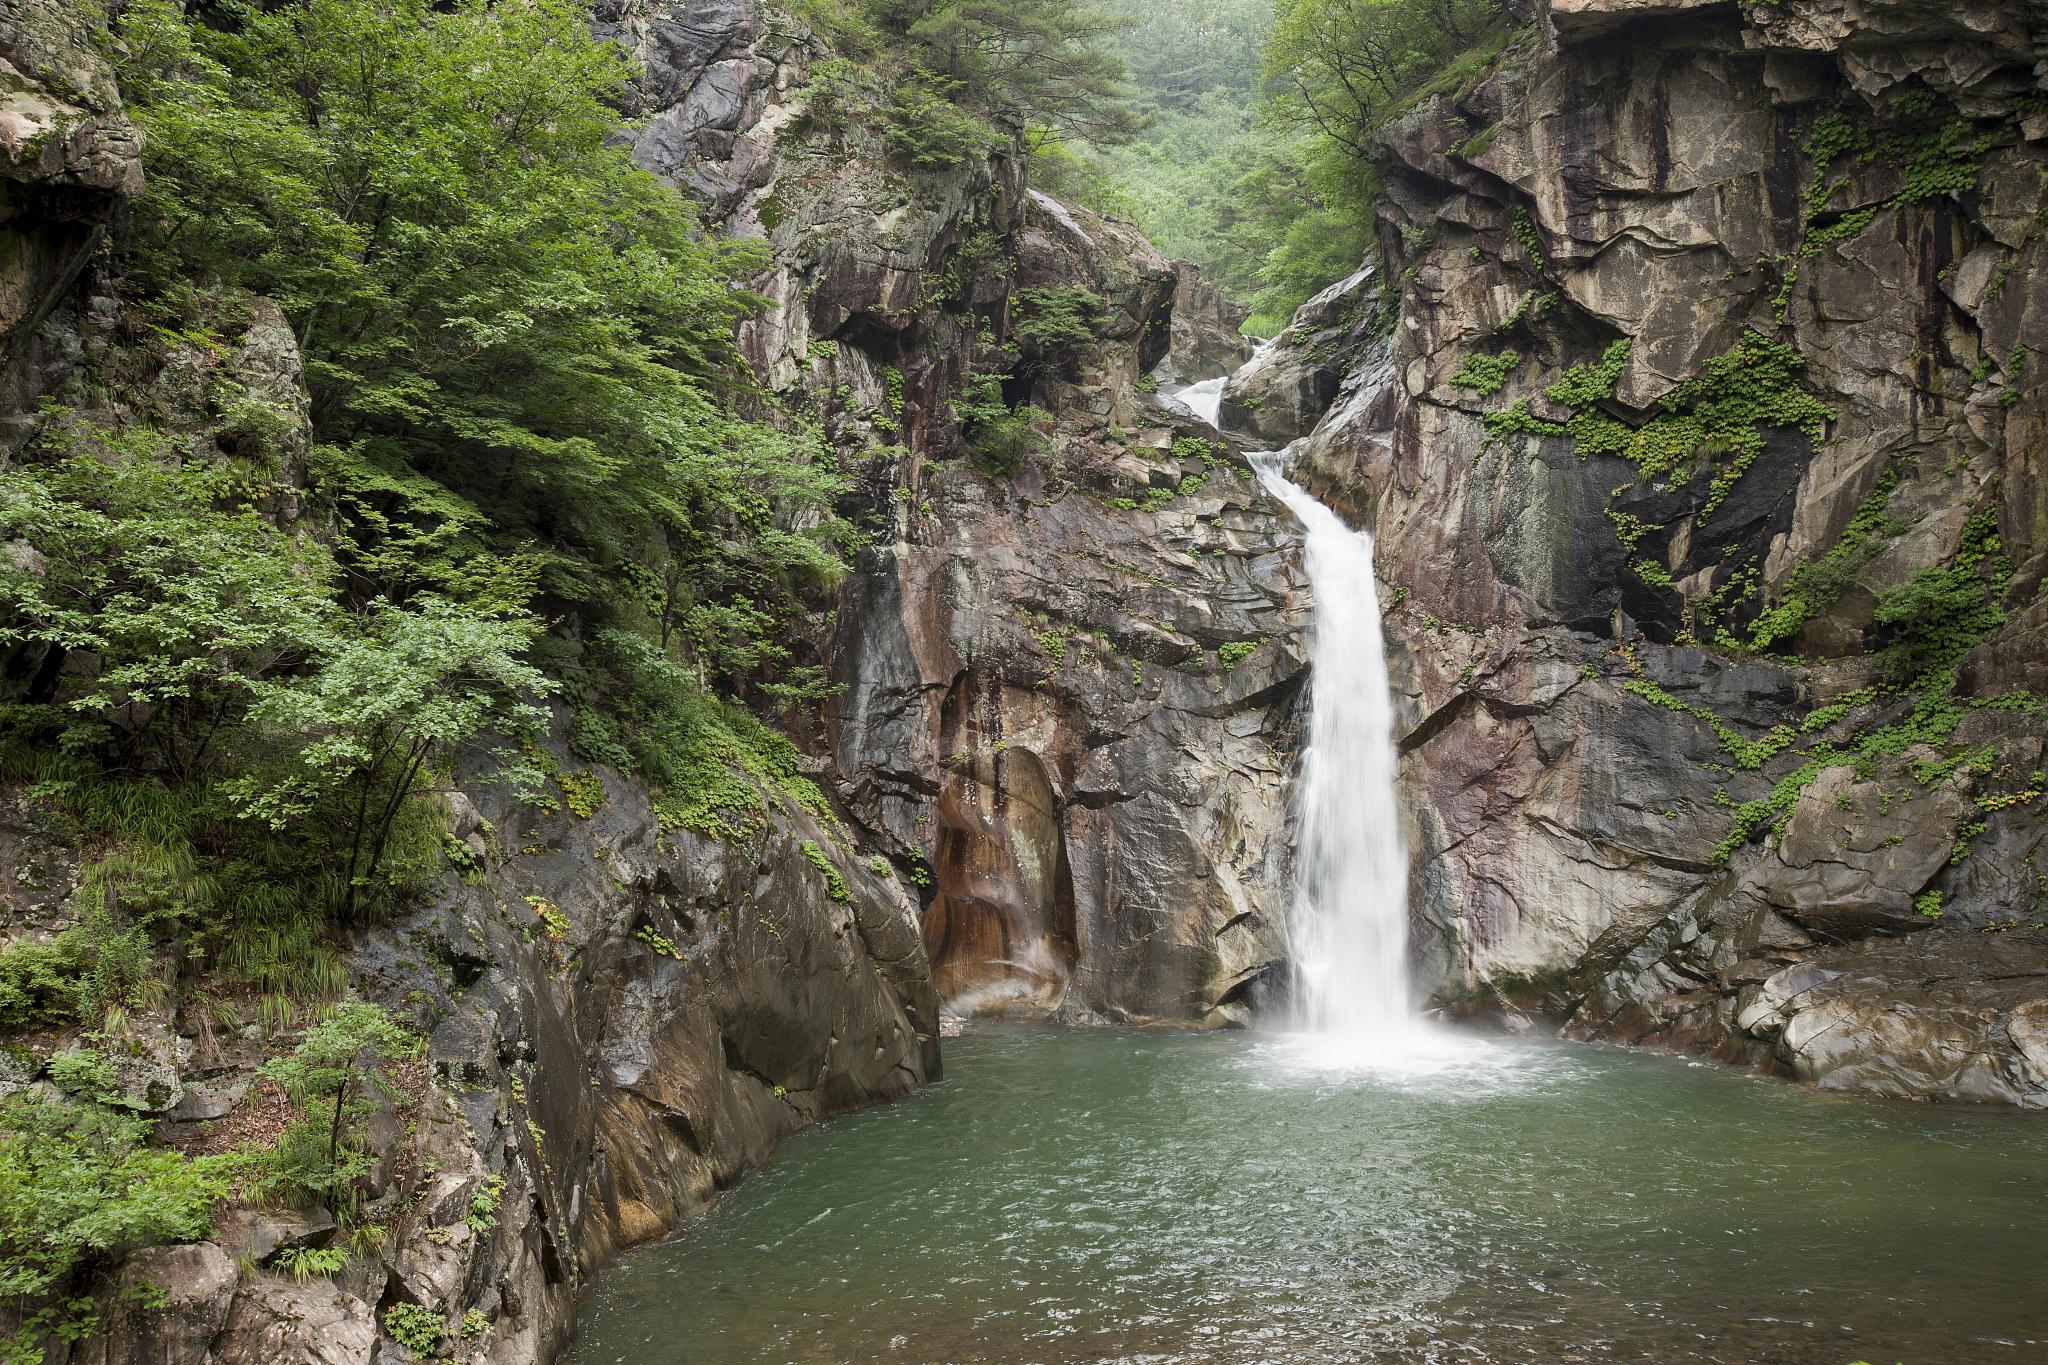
(1116, 1196)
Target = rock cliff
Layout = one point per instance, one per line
(1069, 666)
(1700, 423)
(621, 1019)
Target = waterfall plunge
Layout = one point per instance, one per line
(1349, 925)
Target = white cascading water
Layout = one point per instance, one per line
(1205, 400)
(1349, 925)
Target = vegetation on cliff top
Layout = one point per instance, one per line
(1260, 161)
(538, 465)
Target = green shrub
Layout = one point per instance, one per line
(835, 885)
(78, 1186)
(334, 1078)
(419, 1330)
(1486, 374)
(1940, 614)
(1054, 321)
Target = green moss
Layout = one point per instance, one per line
(1485, 374)
(1814, 584)
(1936, 156)
(1940, 614)
(1476, 145)
(1725, 410)
(1529, 237)
(1236, 652)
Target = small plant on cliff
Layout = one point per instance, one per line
(835, 885)
(418, 1329)
(335, 1078)
(999, 436)
(1939, 614)
(1486, 374)
(1235, 652)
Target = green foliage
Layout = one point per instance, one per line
(518, 343)
(1750, 387)
(1936, 157)
(484, 1206)
(1582, 386)
(999, 436)
(1517, 420)
(1235, 652)
(1526, 234)
(1939, 614)
(583, 791)
(334, 1078)
(658, 941)
(85, 1074)
(73, 977)
(307, 1263)
(714, 765)
(1054, 321)
(360, 728)
(1486, 374)
(1343, 67)
(77, 1185)
(1044, 64)
(1814, 584)
(1928, 903)
(835, 885)
(162, 580)
(418, 1329)
(926, 130)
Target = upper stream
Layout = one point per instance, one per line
(1115, 1196)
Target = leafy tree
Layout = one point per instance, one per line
(336, 1078)
(1340, 67)
(415, 686)
(518, 343)
(161, 582)
(1042, 63)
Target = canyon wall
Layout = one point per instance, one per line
(1069, 670)
(1695, 396)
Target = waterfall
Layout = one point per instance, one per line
(1349, 922)
(1205, 400)
(1348, 925)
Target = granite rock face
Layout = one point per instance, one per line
(1037, 724)
(1601, 661)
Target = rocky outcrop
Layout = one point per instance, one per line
(68, 160)
(621, 1019)
(1208, 337)
(1037, 722)
(1286, 387)
(1070, 687)
(1622, 640)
